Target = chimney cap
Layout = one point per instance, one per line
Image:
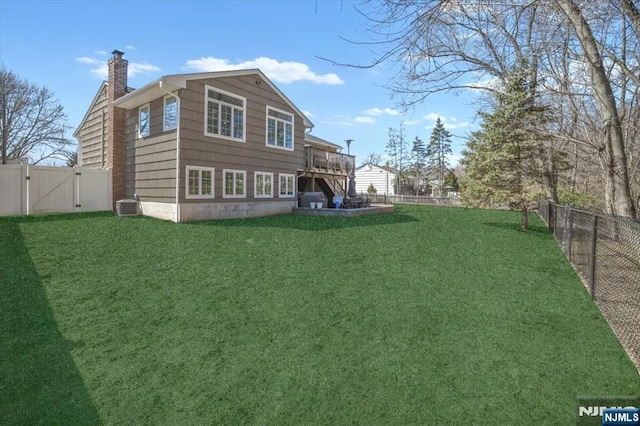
(117, 52)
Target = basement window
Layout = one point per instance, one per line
(263, 185)
(200, 182)
(287, 185)
(234, 183)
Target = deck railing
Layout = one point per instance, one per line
(333, 162)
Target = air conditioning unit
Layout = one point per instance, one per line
(127, 208)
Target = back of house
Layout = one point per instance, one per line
(199, 146)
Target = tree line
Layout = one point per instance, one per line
(558, 83)
(418, 165)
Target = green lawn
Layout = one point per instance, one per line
(427, 316)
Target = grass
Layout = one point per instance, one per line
(427, 316)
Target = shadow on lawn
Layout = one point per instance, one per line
(311, 223)
(39, 382)
(54, 217)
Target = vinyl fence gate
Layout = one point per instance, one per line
(26, 189)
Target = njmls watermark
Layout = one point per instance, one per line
(608, 410)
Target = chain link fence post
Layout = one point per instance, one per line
(594, 240)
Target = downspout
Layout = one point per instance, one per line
(178, 100)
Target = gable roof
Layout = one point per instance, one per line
(93, 102)
(170, 83)
(314, 140)
(385, 168)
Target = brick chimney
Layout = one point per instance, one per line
(116, 126)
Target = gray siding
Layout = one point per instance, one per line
(196, 149)
(151, 161)
(92, 135)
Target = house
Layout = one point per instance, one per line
(204, 146)
(382, 178)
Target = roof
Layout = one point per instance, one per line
(86, 114)
(385, 168)
(95, 99)
(314, 140)
(170, 83)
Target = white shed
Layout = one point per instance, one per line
(382, 179)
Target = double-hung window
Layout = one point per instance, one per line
(200, 182)
(287, 185)
(225, 114)
(170, 112)
(263, 185)
(143, 121)
(234, 183)
(279, 129)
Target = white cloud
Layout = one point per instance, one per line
(87, 60)
(485, 83)
(136, 68)
(377, 111)
(411, 122)
(449, 123)
(130, 47)
(281, 72)
(338, 123)
(432, 116)
(367, 120)
(307, 113)
(101, 52)
(101, 69)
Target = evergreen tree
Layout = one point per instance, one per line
(450, 179)
(503, 158)
(437, 151)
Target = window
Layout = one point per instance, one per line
(234, 183)
(264, 185)
(170, 112)
(225, 114)
(287, 185)
(200, 182)
(279, 129)
(143, 121)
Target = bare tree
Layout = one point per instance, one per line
(617, 175)
(373, 158)
(453, 45)
(33, 123)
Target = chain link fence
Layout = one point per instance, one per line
(605, 251)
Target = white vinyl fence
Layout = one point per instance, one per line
(28, 189)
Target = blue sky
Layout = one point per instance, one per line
(64, 45)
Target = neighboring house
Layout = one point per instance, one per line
(382, 178)
(206, 145)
